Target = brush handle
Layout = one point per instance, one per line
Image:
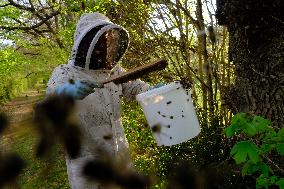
(138, 72)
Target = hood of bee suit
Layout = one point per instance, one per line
(89, 31)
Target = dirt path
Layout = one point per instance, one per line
(20, 108)
(21, 138)
(19, 112)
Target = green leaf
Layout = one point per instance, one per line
(273, 179)
(280, 148)
(280, 183)
(269, 137)
(250, 129)
(281, 132)
(237, 123)
(261, 124)
(248, 124)
(265, 148)
(231, 130)
(257, 125)
(249, 168)
(262, 182)
(239, 119)
(265, 169)
(245, 150)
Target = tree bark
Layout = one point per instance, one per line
(256, 47)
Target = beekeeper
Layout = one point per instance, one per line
(98, 46)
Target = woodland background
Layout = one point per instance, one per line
(203, 53)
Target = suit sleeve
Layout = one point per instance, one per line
(60, 76)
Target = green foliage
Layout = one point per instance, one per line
(26, 67)
(280, 183)
(245, 150)
(67, 34)
(243, 123)
(38, 173)
(253, 153)
(251, 167)
(11, 84)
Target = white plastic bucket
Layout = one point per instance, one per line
(170, 114)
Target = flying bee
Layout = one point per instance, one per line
(107, 137)
(11, 167)
(211, 34)
(186, 83)
(53, 120)
(106, 172)
(169, 102)
(3, 122)
(99, 170)
(156, 128)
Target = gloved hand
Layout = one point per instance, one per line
(78, 89)
(157, 86)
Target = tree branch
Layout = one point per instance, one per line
(43, 21)
(5, 5)
(186, 12)
(274, 164)
(21, 6)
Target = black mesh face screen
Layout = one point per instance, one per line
(123, 44)
(84, 45)
(99, 54)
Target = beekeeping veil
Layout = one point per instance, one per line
(98, 43)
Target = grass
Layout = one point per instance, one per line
(38, 173)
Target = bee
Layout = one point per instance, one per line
(52, 117)
(99, 170)
(156, 128)
(211, 34)
(133, 180)
(71, 81)
(11, 166)
(3, 122)
(186, 83)
(105, 172)
(169, 102)
(107, 137)
(72, 140)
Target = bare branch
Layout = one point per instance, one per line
(186, 12)
(20, 6)
(31, 3)
(43, 14)
(43, 21)
(39, 2)
(273, 163)
(5, 5)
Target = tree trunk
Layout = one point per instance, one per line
(256, 48)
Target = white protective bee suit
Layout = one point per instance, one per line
(99, 113)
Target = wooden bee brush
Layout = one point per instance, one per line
(138, 72)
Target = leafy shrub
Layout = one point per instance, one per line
(21, 69)
(259, 143)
